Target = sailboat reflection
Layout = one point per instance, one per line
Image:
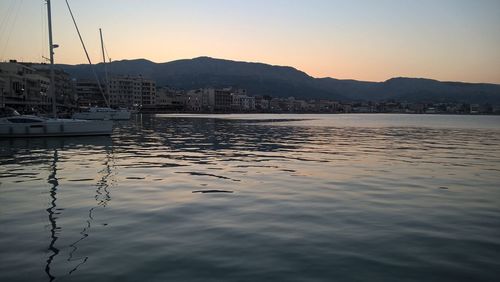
(102, 196)
(52, 180)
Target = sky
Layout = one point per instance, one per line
(372, 40)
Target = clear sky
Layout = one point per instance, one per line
(371, 40)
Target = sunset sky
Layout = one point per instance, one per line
(373, 40)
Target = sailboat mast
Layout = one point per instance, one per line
(52, 87)
(105, 68)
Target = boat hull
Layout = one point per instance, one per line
(58, 127)
(117, 115)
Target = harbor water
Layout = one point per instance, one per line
(256, 198)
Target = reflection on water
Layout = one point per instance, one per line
(53, 181)
(102, 197)
(39, 151)
(197, 199)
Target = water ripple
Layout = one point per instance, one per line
(320, 198)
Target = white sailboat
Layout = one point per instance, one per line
(100, 113)
(12, 124)
(104, 113)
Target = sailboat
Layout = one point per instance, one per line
(12, 124)
(103, 113)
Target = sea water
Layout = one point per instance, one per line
(256, 198)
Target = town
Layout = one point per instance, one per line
(24, 87)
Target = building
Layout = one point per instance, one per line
(262, 103)
(194, 100)
(168, 99)
(64, 86)
(89, 93)
(218, 100)
(131, 92)
(3, 85)
(474, 109)
(301, 106)
(24, 88)
(125, 92)
(148, 92)
(242, 102)
(326, 106)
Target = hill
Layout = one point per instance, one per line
(282, 81)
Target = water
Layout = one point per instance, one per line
(314, 198)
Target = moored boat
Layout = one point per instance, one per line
(12, 124)
(103, 113)
(97, 113)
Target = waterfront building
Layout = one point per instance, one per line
(495, 109)
(326, 106)
(219, 100)
(346, 108)
(65, 89)
(3, 84)
(23, 87)
(418, 108)
(148, 92)
(167, 99)
(88, 93)
(301, 106)
(275, 105)
(125, 92)
(262, 103)
(242, 102)
(194, 100)
(207, 99)
(474, 109)
(131, 91)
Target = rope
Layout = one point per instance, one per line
(5, 19)
(107, 55)
(20, 3)
(87, 54)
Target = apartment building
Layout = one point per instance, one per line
(131, 92)
(23, 86)
(89, 94)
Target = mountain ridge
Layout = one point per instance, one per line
(285, 81)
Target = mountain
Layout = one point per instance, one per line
(281, 81)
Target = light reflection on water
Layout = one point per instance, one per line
(312, 200)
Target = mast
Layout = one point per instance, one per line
(105, 68)
(52, 87)
(87, 54)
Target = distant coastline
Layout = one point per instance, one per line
(207, 85)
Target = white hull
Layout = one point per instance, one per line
(56, 127)
(103, 115)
